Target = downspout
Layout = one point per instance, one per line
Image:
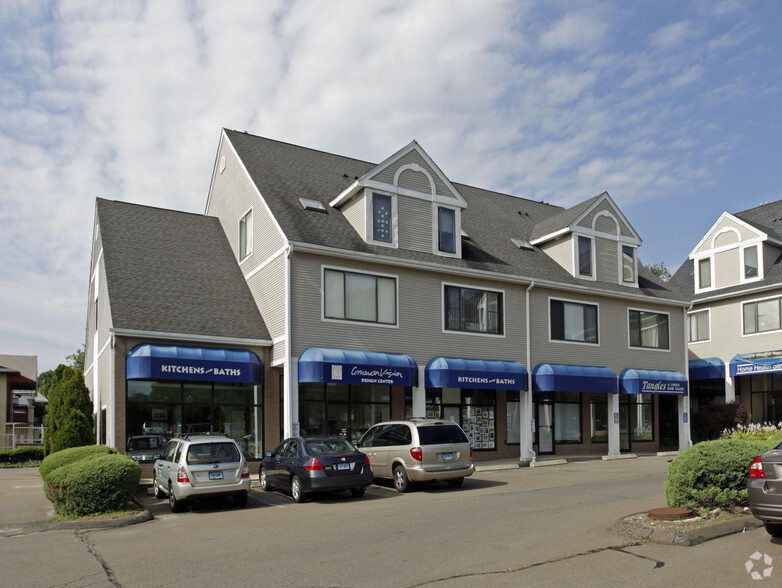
(686, 402)
(528, 397)
(288, 395)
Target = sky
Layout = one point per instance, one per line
(672, 107)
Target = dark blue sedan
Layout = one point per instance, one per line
(303, 465)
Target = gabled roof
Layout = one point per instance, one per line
(283, 173)
(174, 272)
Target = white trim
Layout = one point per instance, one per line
(580, 303)
(457, 233)
(416, 168)
(650, 311)
(760, 236)
(480, 274)
(249, 229)
(754, 301)
(326, 319)
(697, 274)
(266, 262)
(369, 195)
(140, 334)
(743, 264)
(445, 331)
(687, 326)
(634, 282)
(592, 258)
(550, 236)
(606, 197)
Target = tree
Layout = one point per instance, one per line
(76, 359)
(659, 270)
(69, 420)
(45, 382)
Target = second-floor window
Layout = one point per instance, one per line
(381, 218)
(704, 273)
(751, 262)
(573, 321)
(649, 330)
(446, 229)
(354, 296)
(473, 311)
(762, 316)
(585, 256)
(246, 235)
(628, 264)
(698, 324)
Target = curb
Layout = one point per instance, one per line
(683, 537)
(142, 517)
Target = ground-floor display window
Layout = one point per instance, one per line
(766, 394)
(598, 417)
(705, 392)
(174, 407)
(558, 416)
(513, 417)
(342, 409)
(474, 409)
(638, 413)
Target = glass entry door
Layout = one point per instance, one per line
(545, 428)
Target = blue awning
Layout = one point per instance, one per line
(349, 366)
(707, 369)
(452, 372)
(173, 362)
(551, 377)
(756, 363)
(652, 382)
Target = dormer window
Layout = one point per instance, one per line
(246, 235)
(628, 264)
(704, 273)
(446, 229)
(751, 262)
(381, 217)
(584, 259)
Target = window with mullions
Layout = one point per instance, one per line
(342, 409)
(474, 410)
(762, 316)
(648, 330)
(572, 321)
(641, 410)
(766, 395)
(473, 311)
(359, 297)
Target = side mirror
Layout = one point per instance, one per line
(268, 454)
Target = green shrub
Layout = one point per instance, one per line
(94, 485)
(27, 453)
(67, 456)
(5, 455)
(712, 474)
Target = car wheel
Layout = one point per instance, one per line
(240, 499)
(296, 491)
(358, 492)
(264, 478)
(401, 482)
(156, 487)
(456, 483)
(774, 529)
(174, 504)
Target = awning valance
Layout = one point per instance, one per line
(452, 372)
(707, 369)
(756, 363)
(319, 364)
(174, 362)
(633, 381)
(551, 377)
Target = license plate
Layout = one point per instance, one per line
(215, 475)
(343, 466)
(447, 456)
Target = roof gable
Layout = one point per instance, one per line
(728, 231)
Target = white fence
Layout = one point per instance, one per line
(16, 435)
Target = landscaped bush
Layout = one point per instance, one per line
(5, 455)
(754, 431)
(712, 474)
(67, 456)
(713, 418)
(27, 453)
(97, 484)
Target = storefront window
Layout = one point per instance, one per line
(641, 409)
(513, 416)
(342, 409)
(599, 418)
(766, 394)
(566, 415)
(473, 409)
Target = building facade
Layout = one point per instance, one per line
(387, 291)
(21, 408)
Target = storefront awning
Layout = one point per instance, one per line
(756, 363)
(652, 382)
(349, 366)
(707, 369)
(452, 372)
(172, 362)
(551, 377)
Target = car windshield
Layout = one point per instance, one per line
(441, 434)
(200, 453)
(329, 446)
(140, 443)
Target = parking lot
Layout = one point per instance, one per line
(525, 526)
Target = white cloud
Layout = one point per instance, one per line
(574, 31)
(671, 36)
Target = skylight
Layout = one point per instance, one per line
(310, 204)
(522, 244)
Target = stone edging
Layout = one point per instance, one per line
(142, 517)
(684, 537)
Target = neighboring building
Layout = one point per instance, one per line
(20, 410)
(734, 278)
(383, 291)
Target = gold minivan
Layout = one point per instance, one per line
(418, 450)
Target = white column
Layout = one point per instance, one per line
(684, 422)
(613, 425)
(419, 394)
(525, 424)
(291, 398)
(730, 389)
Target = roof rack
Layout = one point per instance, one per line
(187, 436)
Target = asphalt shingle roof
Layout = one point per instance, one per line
(170, 271)
(283, 173)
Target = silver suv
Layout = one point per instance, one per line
(197, 466)
(418, 450)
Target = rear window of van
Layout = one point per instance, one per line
(441, 434)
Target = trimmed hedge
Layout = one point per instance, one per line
(67, 456)
(5, 455)
(97, 484)
(712, 474)
(21, 454)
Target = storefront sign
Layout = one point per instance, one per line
(662, 387)
(171, 362)
(362, 374)
(743, 369)
(490, 382)
(189, 369)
